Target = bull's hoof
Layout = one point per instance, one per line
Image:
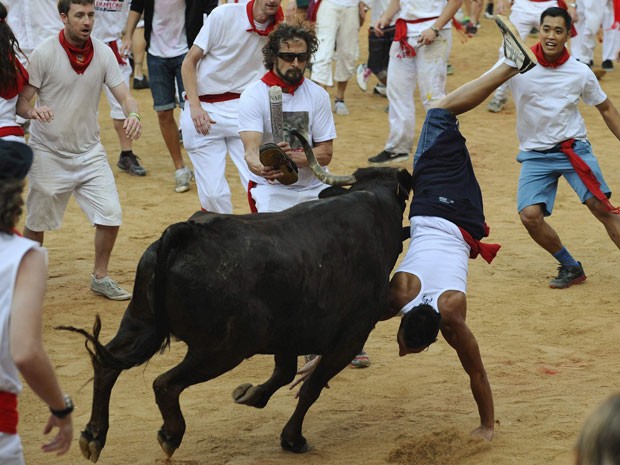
(299, 447)
(90, 447)
(167, 444)
(246, 394)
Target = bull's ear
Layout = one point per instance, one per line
(332, 192)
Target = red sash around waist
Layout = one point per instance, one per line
(214, 98)
(12, 131)
(401, 34)
(8, 413)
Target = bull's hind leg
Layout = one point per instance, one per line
(258, 396)
(195, 368)
(329, 366)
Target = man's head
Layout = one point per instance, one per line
(554, 31)
(15, 161)
(418, 329)
(288, 51)
(78, 17)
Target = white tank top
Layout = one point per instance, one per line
(12, 250)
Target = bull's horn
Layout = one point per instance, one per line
(318, 170)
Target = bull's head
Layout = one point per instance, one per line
(318, 170)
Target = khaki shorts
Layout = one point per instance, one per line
(52, 180)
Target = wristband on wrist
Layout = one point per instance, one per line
(435, 30)
(66, 411)
(133, 113)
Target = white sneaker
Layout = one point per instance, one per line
(362, 74)
(496, 104)
(109, 288)
(514, 48)
(340, 108)
(182, 176)
(380, 89)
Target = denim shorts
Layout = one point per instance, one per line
(437, 121)
(163, 74)
(538, 181)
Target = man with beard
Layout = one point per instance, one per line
(305, 107)
(224, 60)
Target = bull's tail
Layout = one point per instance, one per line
(137, 347)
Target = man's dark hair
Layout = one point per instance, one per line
(287, 32)
(11, 203)
(555, 12)
(420, 326)
(65, 5)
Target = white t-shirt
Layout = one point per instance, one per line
(168, 37)
(547, 103)
(308, 110)
(110, 19)
(12, 251)
(438, 255)
(33, 21)
(8, 112)
(421, 9)
(73, 97)
(233, 57)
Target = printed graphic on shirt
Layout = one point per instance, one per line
(110, 5)
(295, 120)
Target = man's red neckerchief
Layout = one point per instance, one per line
(276, 20)
(272, 79)
(542, 61)
(79, 58)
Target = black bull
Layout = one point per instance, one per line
(311, 279)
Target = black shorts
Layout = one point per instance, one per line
(379, 49)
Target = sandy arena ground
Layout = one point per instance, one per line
(551, 355)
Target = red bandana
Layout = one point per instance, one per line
(278, 19)
(586, 175)
(542, 61)
(20, 82)
(272, 79)
(486, 251)
(79, 58)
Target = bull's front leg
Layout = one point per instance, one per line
(93, 438)
(258, 396)
(291, 438)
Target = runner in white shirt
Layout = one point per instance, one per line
(418, 56)
(305, 106)
(525, 15)
(68, 72)
(552, 138)
(33, 21)
(23, 272)
(110, 19)
(591, 15)
(14, 77)
(225, 58)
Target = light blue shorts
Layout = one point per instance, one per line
(538, 181)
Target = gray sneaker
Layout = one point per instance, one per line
(514, 48)
(109, 288)
(340, 108)
(496, 104)
(182, 177)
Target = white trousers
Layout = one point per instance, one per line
(591, 17)
(428, 69)
(275, 197)
(208, 154)
(11, 451)
(336, 26)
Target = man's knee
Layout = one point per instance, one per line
(532, 216)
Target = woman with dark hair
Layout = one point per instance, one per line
(13, 80)
(23, 268)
